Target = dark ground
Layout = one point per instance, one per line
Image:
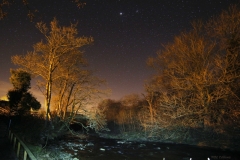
(6, 151)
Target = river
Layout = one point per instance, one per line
(95, 148)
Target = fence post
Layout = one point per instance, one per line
(11, 138)
(9, 134)
(25, 155)
(18, 149)
(14, 142)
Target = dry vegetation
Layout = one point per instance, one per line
(194, 95)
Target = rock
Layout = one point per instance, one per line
(75, 150)
(120, 142)
(141, 145)
(150, 153)
(90, 144)
(46, 155)
(81, 148)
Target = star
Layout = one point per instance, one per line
(120, 13)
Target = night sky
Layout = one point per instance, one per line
(125, 32)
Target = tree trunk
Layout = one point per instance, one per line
(48, 95)
(60, 100)
(151, 112)
(68, 99)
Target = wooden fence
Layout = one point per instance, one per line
(20, 148)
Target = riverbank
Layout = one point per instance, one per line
(94, 147)
(124, 145)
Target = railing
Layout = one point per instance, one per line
(15, 140)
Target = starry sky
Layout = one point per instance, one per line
(125, 32)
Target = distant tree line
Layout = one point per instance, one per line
(124, 115)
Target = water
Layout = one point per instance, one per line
(95, 148)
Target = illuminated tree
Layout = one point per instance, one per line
(225, 30)
(197, 73)
(75, 89)
(51, 58)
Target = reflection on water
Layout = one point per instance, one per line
(109, 149)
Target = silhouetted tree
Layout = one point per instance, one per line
(20, 99)
(20, 80)
(28, 101)
(14, 97)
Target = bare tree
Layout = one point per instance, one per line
(51, 58)
(123, 115)
(76, 89)
(196, 74)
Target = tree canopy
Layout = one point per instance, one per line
(20, 80)
(198, 74)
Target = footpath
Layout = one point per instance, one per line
(6, 151)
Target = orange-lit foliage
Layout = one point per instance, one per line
(55, 60)
(197, 75)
